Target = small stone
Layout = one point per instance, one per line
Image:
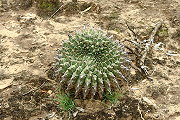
(49, 92)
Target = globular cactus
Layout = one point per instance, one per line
(90, 63)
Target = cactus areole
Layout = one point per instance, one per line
(90, 63)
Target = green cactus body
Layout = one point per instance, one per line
(90, 62)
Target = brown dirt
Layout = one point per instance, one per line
(28, 45)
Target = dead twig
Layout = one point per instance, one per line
(33, 89)
(132, 51)
(136, 68)
(148, 46)
(135, 43)
(142, 49)
(154, 32)
(140, 111)
(134, 36)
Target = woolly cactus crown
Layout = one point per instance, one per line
(90, 62)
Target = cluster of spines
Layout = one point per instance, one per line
(91, 62)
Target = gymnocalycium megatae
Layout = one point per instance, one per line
(90, 63)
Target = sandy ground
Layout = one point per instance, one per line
(28, 45)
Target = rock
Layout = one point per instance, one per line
(5, 83)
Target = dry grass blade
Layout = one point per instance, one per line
(55, 12)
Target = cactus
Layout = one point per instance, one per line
(90, 63)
